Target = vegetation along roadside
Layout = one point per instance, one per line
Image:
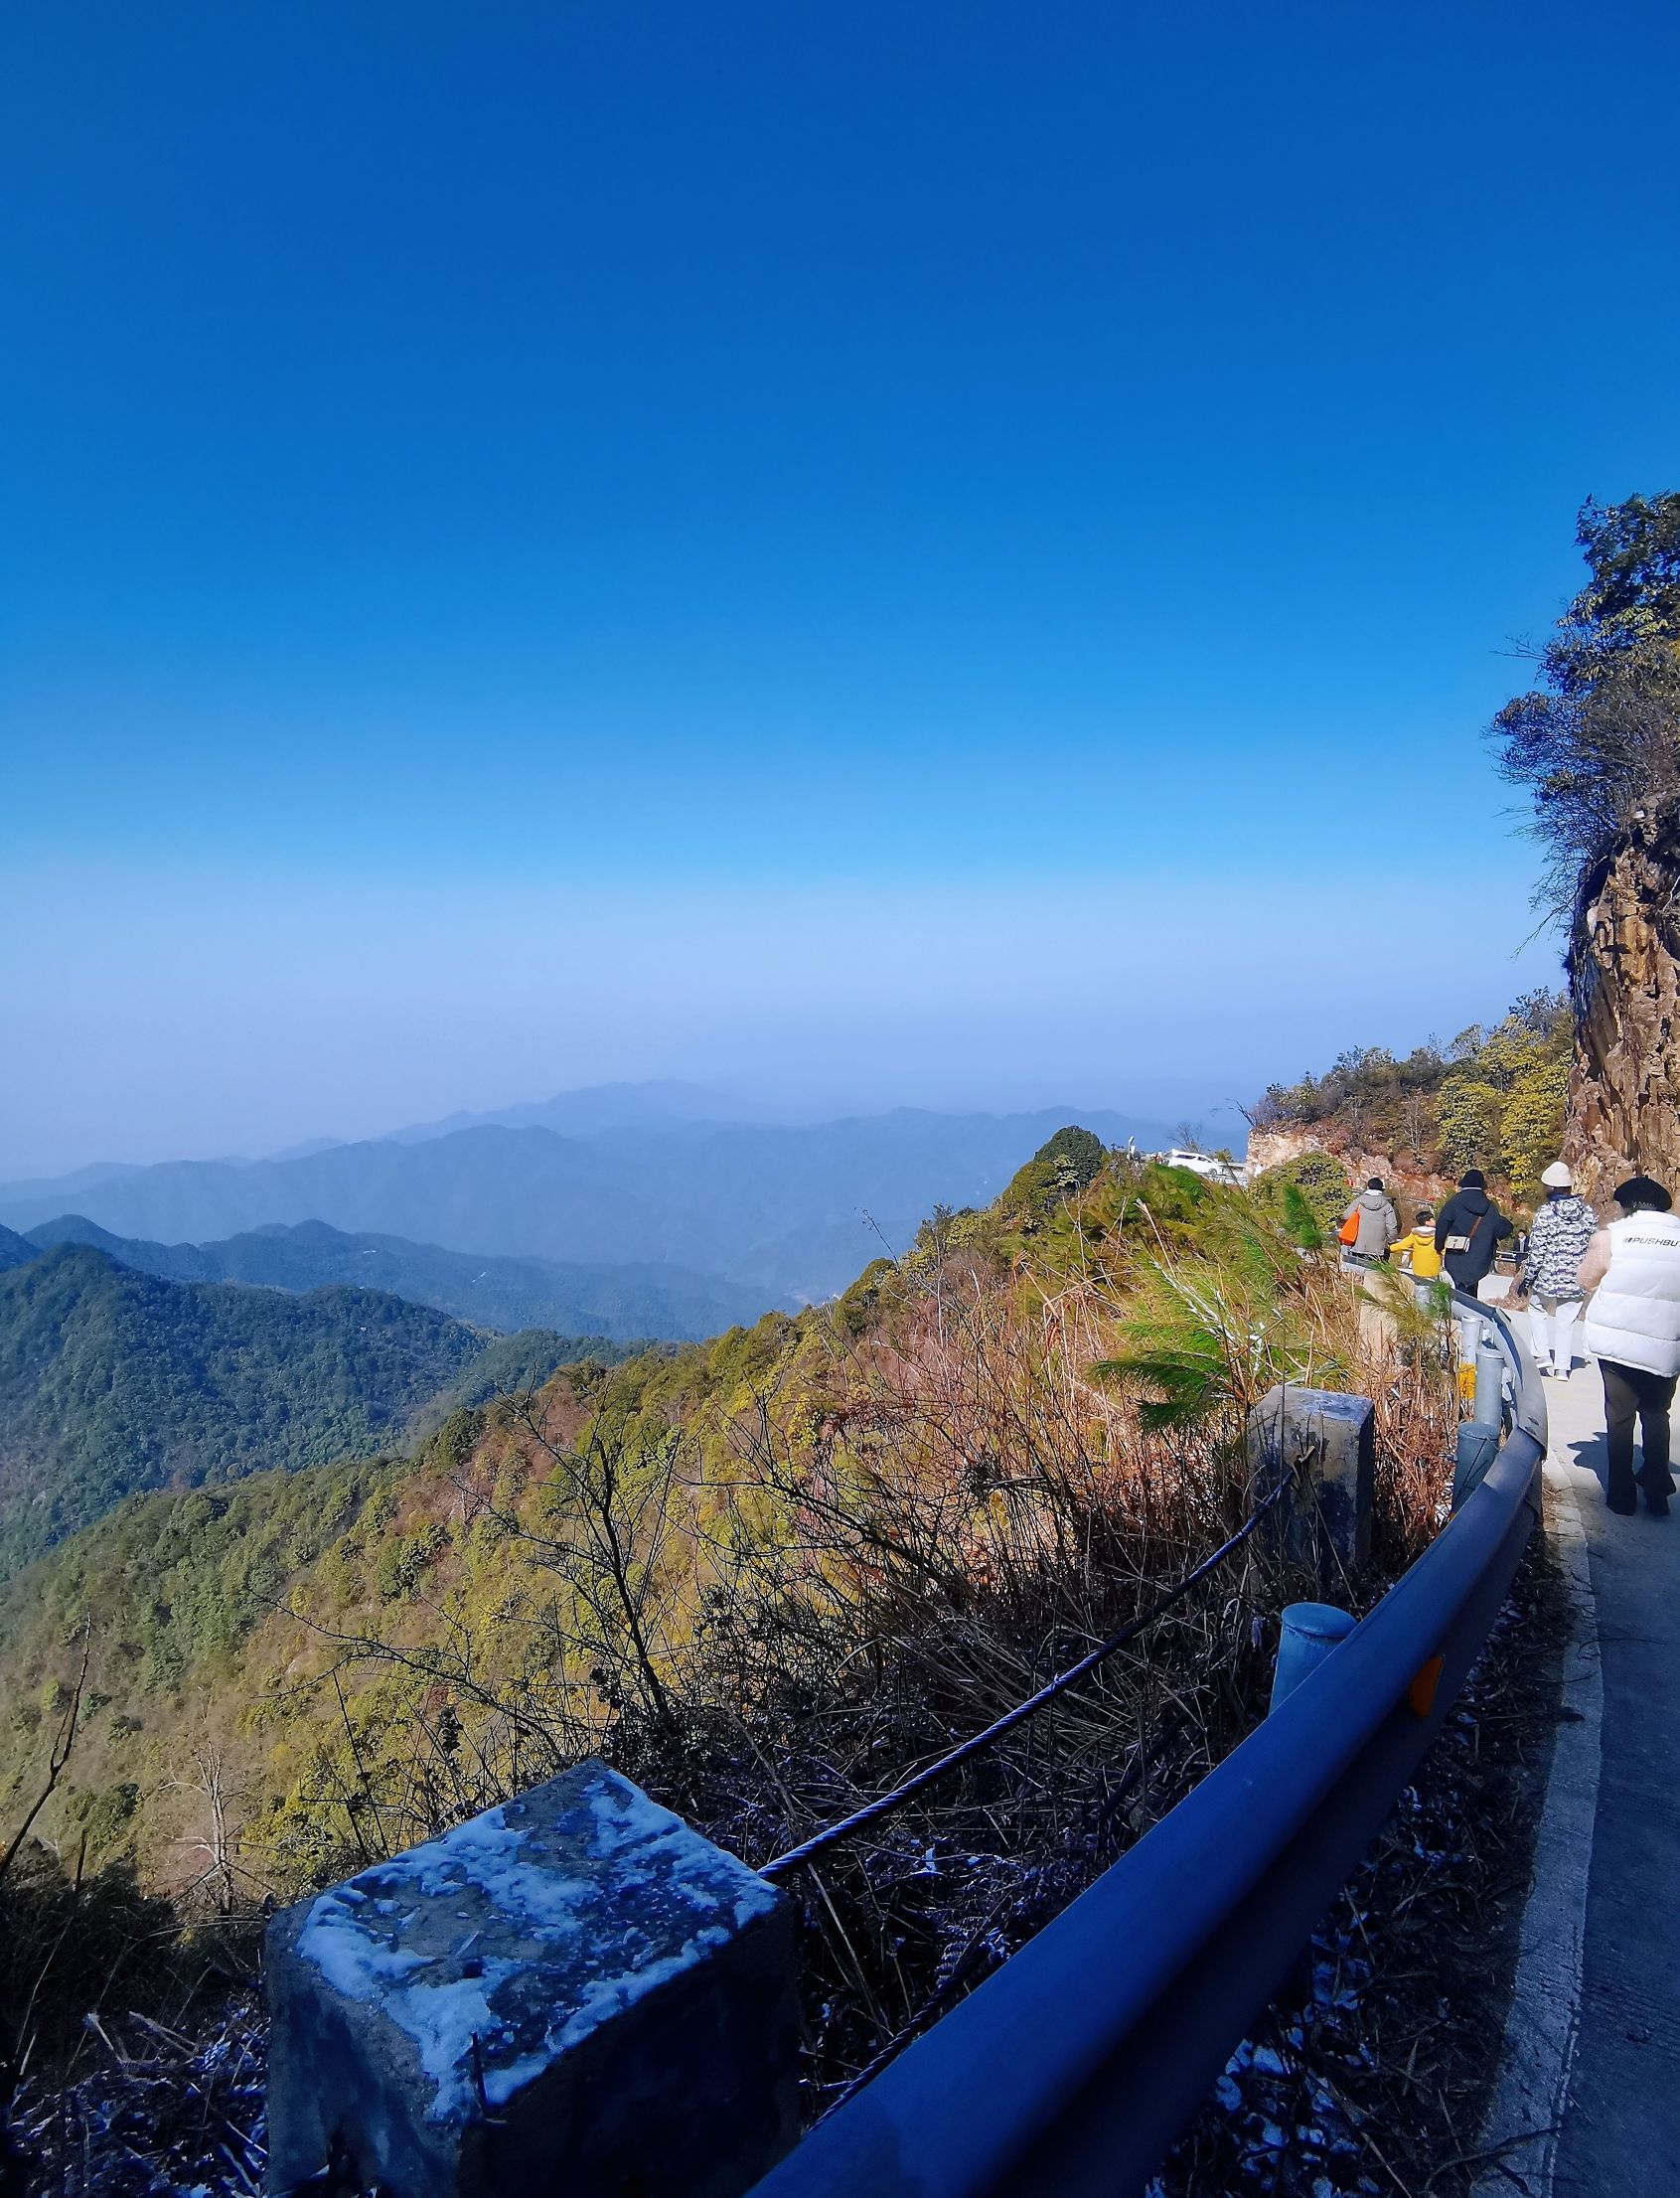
(766, 1577)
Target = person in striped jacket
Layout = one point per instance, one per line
(1551, 1271)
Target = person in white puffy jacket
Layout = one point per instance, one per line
(1634, 1331)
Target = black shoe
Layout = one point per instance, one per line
(1625, 1510)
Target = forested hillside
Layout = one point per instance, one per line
(765, 1576)
(15, 1250)
(113, 1381)
(629, 1302)
(363, 1650)
(1493, 1099)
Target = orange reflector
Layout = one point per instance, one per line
(1421, 1694)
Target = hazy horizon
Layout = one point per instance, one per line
(886, 556)
(275, 1039)
(230, 1033)
(1170, 1106)
(1209, 1104)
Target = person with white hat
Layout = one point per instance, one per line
(1551, 1270)
(1634, 1331)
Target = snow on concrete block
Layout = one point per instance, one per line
(575, 1992)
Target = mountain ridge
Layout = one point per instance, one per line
(593, 1108)
(788, 1209)
(631, 1301)
(113, 1381)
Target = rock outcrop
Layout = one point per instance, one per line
(1624, 970)
(1401, 1169)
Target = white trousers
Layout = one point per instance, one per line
(1468, 1326)
(1552, 1333)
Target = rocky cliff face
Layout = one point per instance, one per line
(1624, 968)
(1400, 1169)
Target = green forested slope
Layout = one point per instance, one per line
(630, 1301)
(113, 1381)
(15, 1250)
(1493, 1099)
(493, 1605)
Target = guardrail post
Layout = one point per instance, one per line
(1307, 1633)
(574, 1991)
(1477, 1448)
(1489, 1381)
(1327, 1441)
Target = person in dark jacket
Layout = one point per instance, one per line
(1469, 1230)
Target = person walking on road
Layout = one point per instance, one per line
(1469, 1231)
(1632, 1267)
(1551, 1271)
(1416, 1254)
(1416, 1249)
(1376, 1226)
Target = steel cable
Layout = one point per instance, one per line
(871, 1811)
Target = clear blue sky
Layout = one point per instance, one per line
(866, 552)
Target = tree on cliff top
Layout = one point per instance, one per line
(1062, 1165)
(1602, 734)
(1492, 1099)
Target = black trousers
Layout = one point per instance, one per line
(1630, 1393)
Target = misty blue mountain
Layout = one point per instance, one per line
(660, 1104)
(779, 1210)
(15, 1250)
(627, 1302)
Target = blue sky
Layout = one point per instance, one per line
(938, 553)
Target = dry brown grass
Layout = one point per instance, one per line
(825, 1580)
(972, 1512)
(824, 1583)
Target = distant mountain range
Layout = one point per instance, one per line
(113, 1381)
(629, 1302)
(598, 1109)
(136, 1351)
(778, 1211)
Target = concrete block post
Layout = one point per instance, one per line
(1327, 1442)
(573, 1993)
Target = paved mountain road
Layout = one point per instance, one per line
(1601, 1939)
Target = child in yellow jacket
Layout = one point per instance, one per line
(1417, 1247)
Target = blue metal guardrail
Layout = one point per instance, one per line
(1074, 2067)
